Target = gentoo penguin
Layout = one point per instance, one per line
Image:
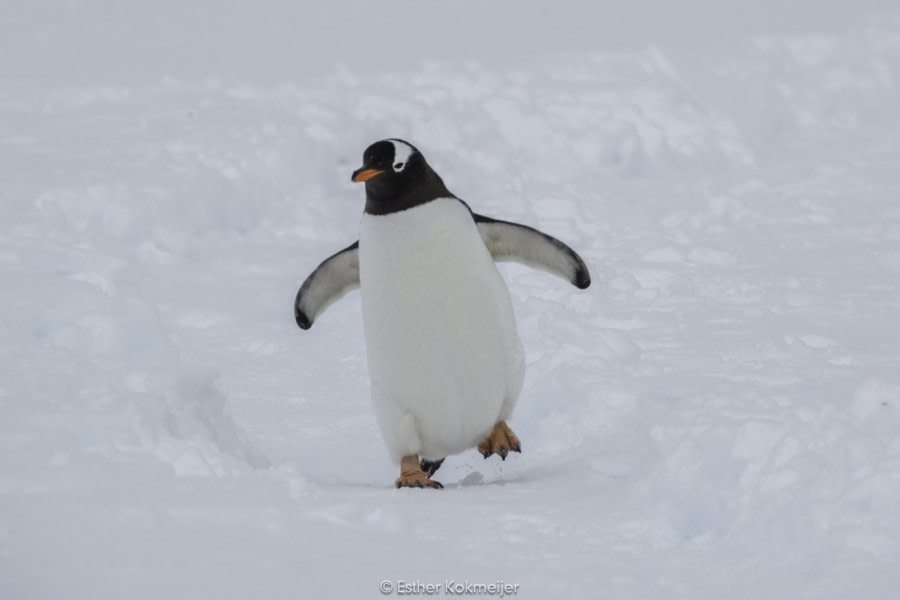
(444, 356)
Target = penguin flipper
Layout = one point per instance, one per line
(332, 280)
(520, 243)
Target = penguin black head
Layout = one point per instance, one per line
(397, 178)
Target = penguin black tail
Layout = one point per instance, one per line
(430, 466)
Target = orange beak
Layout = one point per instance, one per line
(361, 175)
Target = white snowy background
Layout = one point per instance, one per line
(718, 415)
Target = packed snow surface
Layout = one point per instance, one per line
(718, 415)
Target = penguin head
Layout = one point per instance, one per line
(397, 177)
(389, 163)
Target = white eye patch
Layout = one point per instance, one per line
(402, 152)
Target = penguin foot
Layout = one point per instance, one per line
(430, 466)
(502, 441)
(412, 474)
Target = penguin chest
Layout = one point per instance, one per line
(440, 331)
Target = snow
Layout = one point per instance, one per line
(717, 415)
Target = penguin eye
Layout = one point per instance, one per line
(399, 166)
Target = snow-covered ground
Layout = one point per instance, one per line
(717, 416)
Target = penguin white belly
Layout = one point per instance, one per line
(444, 356)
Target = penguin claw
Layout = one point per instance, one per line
(418, 483)
(502, 441)
(412, 475)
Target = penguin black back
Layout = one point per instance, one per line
(397, 178)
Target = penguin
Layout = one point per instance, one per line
(445, 360)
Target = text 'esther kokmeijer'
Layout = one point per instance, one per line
(449, 587)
